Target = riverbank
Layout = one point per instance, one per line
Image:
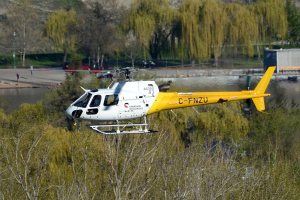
(24, 78)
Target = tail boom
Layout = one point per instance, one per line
(173, 100)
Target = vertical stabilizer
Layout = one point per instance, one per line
(264, 82)
(260, 89)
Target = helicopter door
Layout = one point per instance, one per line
(93, 107)
(110, 107)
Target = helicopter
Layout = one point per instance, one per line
(128, 100)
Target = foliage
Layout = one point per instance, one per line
(213, 22)
(61, 27)
(202, 153)
(272, 19)
(242, 28)
(151, 23)
(58, 100)
(189, 21)
(293, 16)
(202, 29)
(211, 152)
(215, 120)
(275, 134)
(189, 29)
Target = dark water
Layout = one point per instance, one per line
(11, 99)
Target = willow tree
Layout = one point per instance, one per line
(190, 40)
(203, 28)
(242, 30)
(213, 23)
(271, 19)
(293, 15)
(61, 29)
(151, 23)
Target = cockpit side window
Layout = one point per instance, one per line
(151, 89)
(83, 101)
(96, 101)
(111, 100)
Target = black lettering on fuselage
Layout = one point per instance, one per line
(195, 100)
(180, 100)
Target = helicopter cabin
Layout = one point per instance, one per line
(124, 100)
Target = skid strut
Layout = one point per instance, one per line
(122, 128)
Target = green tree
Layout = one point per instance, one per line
(61, 28)
(274, 136)
(242, 31)
(213, 23)
(293, 17)
(204, 25)
(224, 123)
(152, 24)
(58, 100)
(271, 19)
(190, 40)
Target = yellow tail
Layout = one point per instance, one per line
(260, 89)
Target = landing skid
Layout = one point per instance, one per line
(122, 128)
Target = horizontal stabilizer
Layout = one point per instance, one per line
(259, 103)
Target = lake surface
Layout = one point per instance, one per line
(11, 99)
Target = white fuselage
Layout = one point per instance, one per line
(125, 100)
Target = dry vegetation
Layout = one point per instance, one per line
(212, 152)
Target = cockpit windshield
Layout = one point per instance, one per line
(83, 101)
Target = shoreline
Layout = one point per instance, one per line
(14, 85)
(38, 78)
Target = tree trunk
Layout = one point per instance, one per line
(65, 56)
(98, 56)
(101, 63)
(216, 61)
(24, 45)
(258, 52)
(132, 59)
(24, 57)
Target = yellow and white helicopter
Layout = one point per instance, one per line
(137, 99)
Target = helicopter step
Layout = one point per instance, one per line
(122, 128)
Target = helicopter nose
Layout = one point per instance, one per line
(69, 112)
(73, 112)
